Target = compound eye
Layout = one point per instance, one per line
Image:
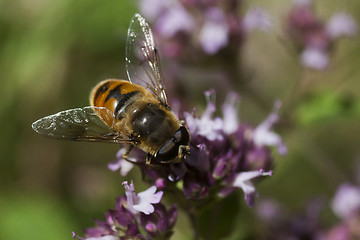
(181, 136)
(170, 149)
(167, 152)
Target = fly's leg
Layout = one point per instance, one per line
(126, 154)
(183, 151)
(149, 158)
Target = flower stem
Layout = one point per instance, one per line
(194, 224)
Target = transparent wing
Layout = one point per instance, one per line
(79, 124)
(142, 59)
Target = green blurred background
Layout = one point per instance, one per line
(53, 52)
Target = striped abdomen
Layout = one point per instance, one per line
(116, 96)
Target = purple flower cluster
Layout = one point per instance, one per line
(278, 223)
(309, 224)
(136, 216)
(224, 155)
(314, 37)
(346, 205)
(204, 27)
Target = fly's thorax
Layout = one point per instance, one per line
(154, 125)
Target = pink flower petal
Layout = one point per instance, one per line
(257, 18)
(121, 164)
(341, 25)
(214, 33)
(141, 202)
(230, 114)
(109, 237)
(263, 136)
(346, 201)
(144, 207)
(314, 58)
(243, 181)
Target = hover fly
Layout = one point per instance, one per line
(134, 112)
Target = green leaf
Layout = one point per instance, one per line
(326, 106)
